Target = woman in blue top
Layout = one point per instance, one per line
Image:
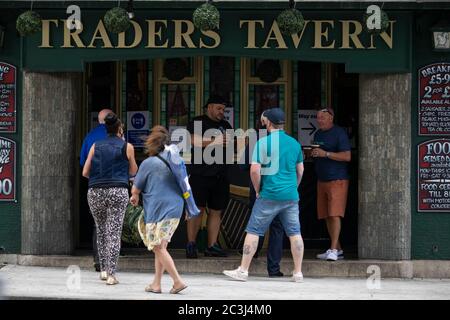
(163, 207)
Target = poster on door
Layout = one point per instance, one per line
(7, 170)
(137, 128)
(307, 126)
(433, 176)
(8, 82)
(434, 99)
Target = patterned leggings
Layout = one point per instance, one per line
(108, 209)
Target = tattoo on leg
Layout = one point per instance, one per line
(247, 249)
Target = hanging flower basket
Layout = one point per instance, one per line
(290, 21)
(175, 69)
(28, 23)
(117, 20)
(206, 17)
(384, 23)
(268, 71)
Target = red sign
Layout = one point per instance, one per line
(7, 170)
(434, 175)
(7, 97)
(434, 99)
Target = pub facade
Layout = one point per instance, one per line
(390, 90)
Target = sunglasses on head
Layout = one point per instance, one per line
(326, 110)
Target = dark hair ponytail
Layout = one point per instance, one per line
(112, 124)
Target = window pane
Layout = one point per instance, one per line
(309, 85)
(136, 85)
(265, 97)
(222, 77)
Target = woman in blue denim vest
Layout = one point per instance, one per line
(109, 165)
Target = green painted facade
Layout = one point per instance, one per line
(430, 231)
(411, 50)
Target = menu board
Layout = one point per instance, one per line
(7, 170)
(434, 99)
(7, 98)
(434, 175)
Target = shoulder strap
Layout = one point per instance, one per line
(165, 162)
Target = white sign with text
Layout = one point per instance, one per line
(307, 126)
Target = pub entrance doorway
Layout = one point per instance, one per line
(141, 86)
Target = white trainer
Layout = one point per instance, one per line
(332, 255)
(297, 277)
(323, 256)
(237, 274)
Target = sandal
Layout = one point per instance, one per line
(103, 275)
(177, 290)
(112, 280)
(150, 289)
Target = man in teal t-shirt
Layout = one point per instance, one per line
(276, 172)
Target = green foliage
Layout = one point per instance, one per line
(175, 69)
(206, 17)
(290, 21)
(268, 70)
(117, 20)
(28, 23)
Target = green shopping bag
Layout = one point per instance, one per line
(130, 231)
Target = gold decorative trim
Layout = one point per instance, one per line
(196, 79)
(247, 79)
(244, 95)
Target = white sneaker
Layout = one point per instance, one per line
(323, 256)
(332, 255)
(237, 274)
(297, 277)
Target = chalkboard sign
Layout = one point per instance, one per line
(7, 98)
(434, 175)
(434, 99)
(7, 170)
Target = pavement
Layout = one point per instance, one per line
(73, 283)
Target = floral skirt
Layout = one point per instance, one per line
(153, 234)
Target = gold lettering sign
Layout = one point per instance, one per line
(45, 43)
(320, 33)
(251, 33)
(152, 33)
(347, 36)
(179, 34)
(213, 35)
(186, 35)
(275, 30)
(72, 35)
(137, 37)
(103, 35)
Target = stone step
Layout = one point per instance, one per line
(311, 267)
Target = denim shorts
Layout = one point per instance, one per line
(264, 211)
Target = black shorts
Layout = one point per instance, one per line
(212, 192)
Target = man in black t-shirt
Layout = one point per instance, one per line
(208, 174)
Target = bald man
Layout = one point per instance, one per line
(96, 134)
